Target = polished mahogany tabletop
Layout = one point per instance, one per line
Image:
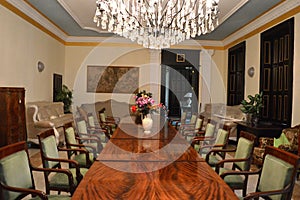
(161, 165)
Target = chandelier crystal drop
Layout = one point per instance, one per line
(157, 24)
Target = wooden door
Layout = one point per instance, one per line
(276, 79)
(236, 74)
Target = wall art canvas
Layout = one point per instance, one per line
(112, 79)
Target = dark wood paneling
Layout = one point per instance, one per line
(236, 74)
(12, 115)
(276, 79)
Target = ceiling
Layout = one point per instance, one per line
(74, 18)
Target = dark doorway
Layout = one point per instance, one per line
(57, 85)
(180, 81)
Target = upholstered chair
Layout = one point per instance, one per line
(219, 142)
(70, 178)
(83, 130)
(73, 141)
(108, 121)
(16, 174)
(176, 122)
(189, 131)
(95, 128)
(240, 162)
(277, 175)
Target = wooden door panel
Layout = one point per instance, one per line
(276, 80)
(236, 74)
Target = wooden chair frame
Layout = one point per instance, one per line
(288, 157)
(58, 167)
(14, 148)
(243, 134)
(80, 144)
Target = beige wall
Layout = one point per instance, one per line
(296, 82)
(78, 58)
(21, 47)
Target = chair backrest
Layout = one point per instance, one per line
(193, 119)
(198, 124)
(70, 135)
(284, 164)
(244, 150)
(48, 148)
(15, 169)
(102, 117)
(210, 128)
(222, 135)
(81, 125)
(183, 117)
(91, 120)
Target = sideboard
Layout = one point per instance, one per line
(12, 115)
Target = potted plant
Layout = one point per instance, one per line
(65, 95)
(252, 107)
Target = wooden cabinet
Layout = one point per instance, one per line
(12, 115)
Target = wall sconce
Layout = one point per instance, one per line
(40, 66)
(251, 71)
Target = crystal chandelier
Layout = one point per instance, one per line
(157, 24)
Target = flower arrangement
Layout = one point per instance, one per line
(144, 103)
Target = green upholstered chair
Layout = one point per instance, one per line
(240, 162)
(208, 133)
(277, 176)
(109, 122)
(189, 131)
(219, 142)
(83, 130)
(16, 174)
(71, 177)
(187, 122)
(177, 122)
(73, 141)
(95, 128)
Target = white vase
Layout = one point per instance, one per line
(147, 123)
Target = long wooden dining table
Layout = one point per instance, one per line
(161, 165)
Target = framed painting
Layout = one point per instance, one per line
(112, 79)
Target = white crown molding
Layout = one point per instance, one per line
(121, 40)
(78, 21)
(33, 14)
(233, 10)
(267, 17)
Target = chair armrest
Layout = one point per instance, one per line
(113, 119)
(207, 146)
(203, 138)
(72, 162)
(221, 163)
(83, 151)
(39, 193)
(214, 151)
(255, 195)
(245, 173)
(64, 171)
(89, 135)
